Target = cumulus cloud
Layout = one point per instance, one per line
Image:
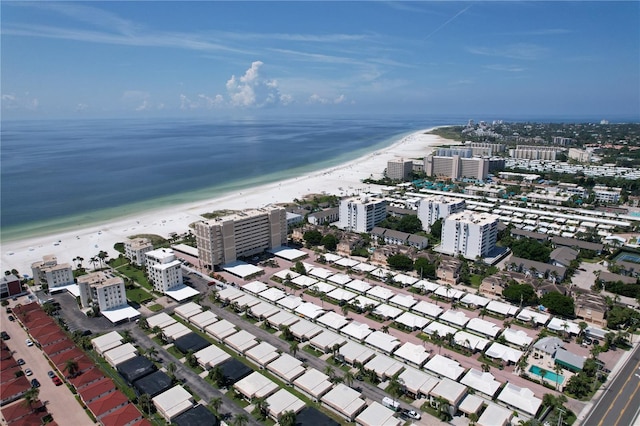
(11, 101)
(254, 90)
(319, 100)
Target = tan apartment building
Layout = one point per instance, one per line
(50, 272)
(135, 249)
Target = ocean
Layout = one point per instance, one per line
(60, 174)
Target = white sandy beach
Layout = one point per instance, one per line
(86, 242)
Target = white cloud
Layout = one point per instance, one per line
(507, 68)
(519, 51)
(11, 101)
(320, 100)
(253, 90)
(81, 107)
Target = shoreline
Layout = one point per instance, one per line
(87, 240)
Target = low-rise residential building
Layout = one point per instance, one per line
(135, 249)
(591, 307)
(10, 286)
(324, 217)
(48, 271)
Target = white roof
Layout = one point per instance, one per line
(106, 341)
(340, 279)
(330, 257)
(494, 415)
(415, 354)
(506, 353)
(451, 293)
(539, 317)
(282, 274)
(241, 269)
(305, 330)
(385, 342)
(427, 308)
(173, 402)
(211, 356)
(474, 299)
(449, 390)
(255, 385)
(347, 263)
(161, 320)
(444, 367)
(176, 330)
(241, 341)
(230, 293)
(246, 300)
(288, 253)
(341, 295)
(412, 320)
(283, 318)
(381, 293)
(364, 267)
(405, 280)
(485, 383)
(356, 330)
(377, 414)
(188, 310)
(355, 352)
(517, 337)
(381, 273)
(321, 273)
(181, 292)
(327, 339)
(262, 354)
(255, 287)
(263, 310)
(272, 294)
(344, 400)
(458, 318)
(471, 404)
(474, 342)
(404, 300)
(442, 329)
(358, 286)
(417, 381)
(309, 310)
(521, 398)
(501, 308)
(387, 311)
(303, 281)
(322, 287)
(290, 302)
(220, 329)
(333, 320)
(283, 401)
(365, 301)
(426, 285)
(203, 319)
(481, 326)
(120, 313)
(287, 367)
(313, 382)
(559, 324)
(120, 354)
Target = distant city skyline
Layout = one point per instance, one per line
(218, 59)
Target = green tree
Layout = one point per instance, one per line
(71, 367)
(288, 418)
(558, 304)
(330, 242)
(299, 268)
(145, 403)
(31, 397)
(240, 419)
(520, 293)
(293, 348)
(348, 378)
(400, 262)
(262, 406)
(215, 405)
(425, 268)
(217, 376)
(312, 237)
(410, 224)
(436, 229)
(396, 386)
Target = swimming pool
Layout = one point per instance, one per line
(549, 375)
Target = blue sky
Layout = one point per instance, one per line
(193, 59)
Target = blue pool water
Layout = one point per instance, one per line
(549, 375)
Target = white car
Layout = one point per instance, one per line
(28, 372)
(412, 414)
(29, 342)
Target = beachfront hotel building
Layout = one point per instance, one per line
(102, 289)
(399, 169)
(361, 214)
(469, 234)
(49, 272)
(225, 239)
(135, 249)
(458, 164)
(435, 207)
(164, 269)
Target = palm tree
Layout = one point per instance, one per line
(557, 370)
(71, 367)
(217, 376)
(145, 403)
(486, 367)
(30, 397)
(240, 419)
(328, 370)
(171, 370)
(385, 329)
(396, 386)
(143, 324)
(93, 261)
(103, 255)
(348, 378)
(262, 406)
(483, 312)
(215, 404)
(127, 337)
(473, 419)
(152, 352)
(345, 310)
(288, 418)
(293, 348)
(191, 359)
(443, 408)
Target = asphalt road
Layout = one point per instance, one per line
(620, 403)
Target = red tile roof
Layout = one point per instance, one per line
(14, 388)
(5, 365)
(58, 347)
(9, 374)
(38, 320)
(108, 403)
(19, 409)
(62, 358)
(124, 416)
(96, 390)
(86, 378)
(33, 419)
(143, 422)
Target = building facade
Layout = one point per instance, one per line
(163, 269)
(399, 169)
(469, 234)
(136, 248)
(435, 207)
(457, 167)
(361, 214)
(225, 239)
(102, 289)
(49, 272)
(9, 286)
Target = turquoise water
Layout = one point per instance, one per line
(626, 256)
(549, 375)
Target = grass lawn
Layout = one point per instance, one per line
(308, 349)
(175, 352)
(138, 295)
(135, 274)
(156, 307)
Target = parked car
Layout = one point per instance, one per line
(5, 336)
(29, 342)
(51, 374)
(20, 361)
(11, 318)
(412, 414)
(56, 380)
(28, 372)
(35, 383)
